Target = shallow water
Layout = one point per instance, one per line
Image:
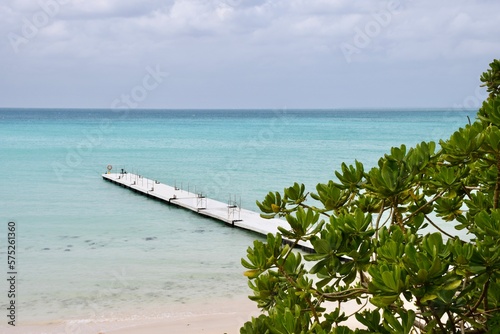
(88, 249)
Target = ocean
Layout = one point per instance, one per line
(87, 249)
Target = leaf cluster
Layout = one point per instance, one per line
(382, 241)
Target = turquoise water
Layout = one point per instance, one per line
(87, 248)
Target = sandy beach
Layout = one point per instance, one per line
(215, 317)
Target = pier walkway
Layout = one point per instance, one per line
(229, 213)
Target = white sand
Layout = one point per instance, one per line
(217, 317)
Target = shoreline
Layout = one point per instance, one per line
(226, 315)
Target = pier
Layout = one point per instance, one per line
(229, 213)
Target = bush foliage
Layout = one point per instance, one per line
(371, 249)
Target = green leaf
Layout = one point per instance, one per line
(453, 285)
(252, 273)
(383, 301)
(428, 297)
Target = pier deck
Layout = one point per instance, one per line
(229, 213)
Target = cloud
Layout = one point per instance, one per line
(250, 42)
(421, 30)
(280, 23)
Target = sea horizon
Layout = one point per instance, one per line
(449, 108)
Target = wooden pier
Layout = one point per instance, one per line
(229, 213)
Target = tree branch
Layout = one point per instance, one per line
(282, 270)
(341, 295)
(425, 205)
(314, 209)
(484, 293)
(377, 225)
(497, 185)
(438, 319)
(438, 228)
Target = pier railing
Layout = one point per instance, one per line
(230, 213)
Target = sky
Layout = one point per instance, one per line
(278, 54)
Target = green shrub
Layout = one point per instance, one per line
(370, 247)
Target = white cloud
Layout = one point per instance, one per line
(255, 38)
